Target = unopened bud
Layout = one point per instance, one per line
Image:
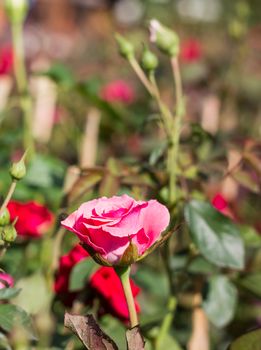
(125, 47)
(149, 61)
(16, 10)
(5, 218)
(8, 233)
(166, 39)
(18, 170)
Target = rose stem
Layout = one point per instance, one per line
(124, 274)
(22, 85)
(177, 127)
(8, 197)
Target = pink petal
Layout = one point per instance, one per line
(155, 218)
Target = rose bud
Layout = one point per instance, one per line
(16, 10)
(8, 233)
(166, 39)
(18, 170)
(149, 61)
(118, 231)
(125, 47)
(5, 218)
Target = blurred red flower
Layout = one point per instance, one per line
(104, 284)
(221, 204)
(118, 91)
(191, 51)
(34, 219)
(6, 60)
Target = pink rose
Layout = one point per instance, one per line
(108, 226)
(6, 280)
(220, 203)
(191, 51)
(118, 91)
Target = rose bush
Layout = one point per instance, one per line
(34, 219)
(103, 284)
(109, 226)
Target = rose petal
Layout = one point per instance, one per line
(155, 218)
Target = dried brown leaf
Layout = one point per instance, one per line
(134, 339)
(89, 332)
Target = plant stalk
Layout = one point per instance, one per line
(124, 274)
(22, 85)
(9, 196)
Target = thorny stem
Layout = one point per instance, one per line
(22, 85)
(124, 274)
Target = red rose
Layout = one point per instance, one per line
(66, 265)
(104, 284)
(108, 286)
(33, 219)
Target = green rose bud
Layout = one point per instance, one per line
(16, 10)
(18, 170)
(166, 39)
(125, 47)
(149, 61)
(5, 218)
(8, 233)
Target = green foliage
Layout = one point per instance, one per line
(249, 341)
(81, 273)
(13, 316)
(252, 283)
(221, 301)
(216, 237)
(9, 293)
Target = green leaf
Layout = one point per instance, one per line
(252, 283)
(35, 295)
(201, 266)
(250, 236)
(13, 316)
(249, 341)
(221, 301)
(80, 274)
(8, 293)
(217, 238)
(169, 343)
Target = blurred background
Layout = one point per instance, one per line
(90, 111)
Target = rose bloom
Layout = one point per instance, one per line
(118, 91)
(103, 284)
(109, 225)
(220, 203)
(6, 280)
(34, 219)
(6, 60)
(191, 51)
